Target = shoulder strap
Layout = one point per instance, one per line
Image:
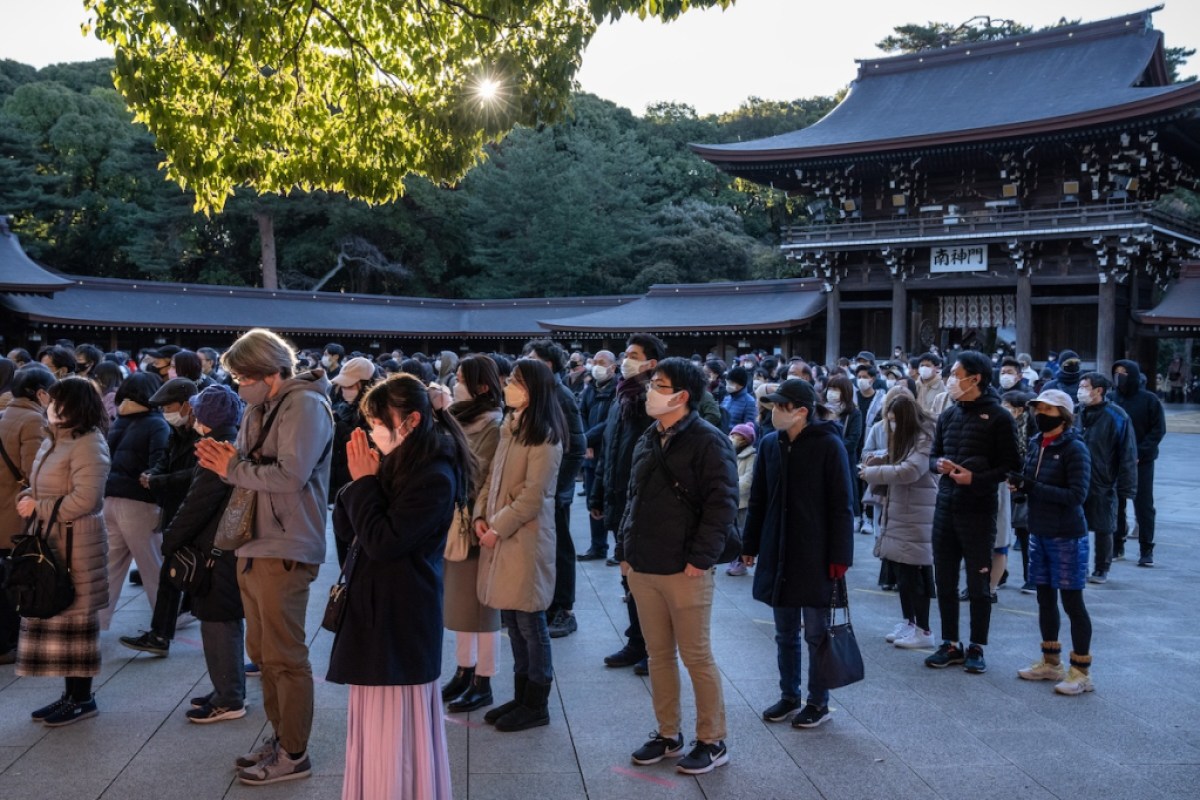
(680, 492)
(16, 473)
(266, 428)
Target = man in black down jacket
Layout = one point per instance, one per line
(1109, 437)
(683, 498)
(1145, 410)
(560, 616)
(627, 421)
(594, 403)
(801, 530)
(974, 449)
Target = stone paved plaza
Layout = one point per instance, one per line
(905, 732)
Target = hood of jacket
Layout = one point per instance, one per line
(1130, 386)
(313, 381)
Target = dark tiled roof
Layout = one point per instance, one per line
(112, 303)
(667, 308)
(1181, 304)
(18, 272)
(1058, 79)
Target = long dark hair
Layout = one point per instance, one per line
(436, 432)
(79, 404)
(842, 384)
(476, 371)
(903, 440)
(542, 421)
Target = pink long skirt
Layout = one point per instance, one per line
(396, 744)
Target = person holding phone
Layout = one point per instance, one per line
(1055, 481)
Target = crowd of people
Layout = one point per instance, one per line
(449, 483)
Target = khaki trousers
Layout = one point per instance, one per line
(676, 614)
(275, 597)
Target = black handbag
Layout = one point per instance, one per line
(837, 661)
(38, 584)
(339, 593)
(189, 569)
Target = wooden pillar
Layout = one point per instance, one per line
(833, 325)
(1025, 314)
(1106, 323)
(899, 314)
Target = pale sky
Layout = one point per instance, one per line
(712, 60)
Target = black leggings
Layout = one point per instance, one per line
(1048, 619)
(79, 689)
(916, 590)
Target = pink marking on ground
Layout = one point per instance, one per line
(641, 776)
(466, 723)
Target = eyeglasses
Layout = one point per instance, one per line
(660, 387)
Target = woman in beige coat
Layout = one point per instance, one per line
(476, 626)
(22, 431)
(514, 520)
(72, 465)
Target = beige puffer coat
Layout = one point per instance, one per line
(22, 429)
(518, 501)
(76, 469)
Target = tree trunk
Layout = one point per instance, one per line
(266, 235)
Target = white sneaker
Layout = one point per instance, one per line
(901, 631)
(1076, 682)
(1041, 671)
(917, 640)
(185, 620)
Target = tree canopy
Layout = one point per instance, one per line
(345, 95)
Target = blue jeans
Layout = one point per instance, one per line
(225, 657)
(530, 639)
(787, 643)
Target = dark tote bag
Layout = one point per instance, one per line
(836, 661)
(339, 593)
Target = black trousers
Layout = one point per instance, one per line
(10, 621)
(599, 543)
(962, 535)
(166, 609)
(1143, 508)
(634, 631)
(564, 561)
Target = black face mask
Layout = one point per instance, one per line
(1047, 423)
(1121, 378)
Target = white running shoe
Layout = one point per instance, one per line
(917, 640)
(901, 631)
(1041, 671)
(1076, 682)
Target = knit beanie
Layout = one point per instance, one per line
(217, 406)
(739, 376)
(745, 430)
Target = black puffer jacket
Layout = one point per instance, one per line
(574, 449)
(1066, 381)
(1108, 434)
(800, 517)
(978, 435)
(135, 441)
(1061, 472)
(594, 404)
(661, 533)
(1144, 408)
(171, 475)
(195, 523)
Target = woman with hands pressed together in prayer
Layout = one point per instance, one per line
(395, 512)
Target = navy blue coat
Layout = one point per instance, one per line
(800, 519)
(392, 631)
(1111, 443)
(1062, 473)
(593, 407)
(740, 407)
(135, 442)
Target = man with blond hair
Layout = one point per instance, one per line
(283, 455)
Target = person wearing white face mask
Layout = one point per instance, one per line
(168, 479)
(282, 455)
(870, 405)
(799, 536)
(931, 389)
(1010, 376)
(514, 522)
(331, 359)
(682, 509)
(1108, 434)
(350, 385)
(594, 405)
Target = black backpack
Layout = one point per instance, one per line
(38, 584)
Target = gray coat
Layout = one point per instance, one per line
(293, 487)
(22, 429)
(518, 501)
(463, 611)
(906, 519)
(76, 469)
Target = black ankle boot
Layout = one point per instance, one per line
(478, 695)
(458, 684)
(532, 712)
(519, 684)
